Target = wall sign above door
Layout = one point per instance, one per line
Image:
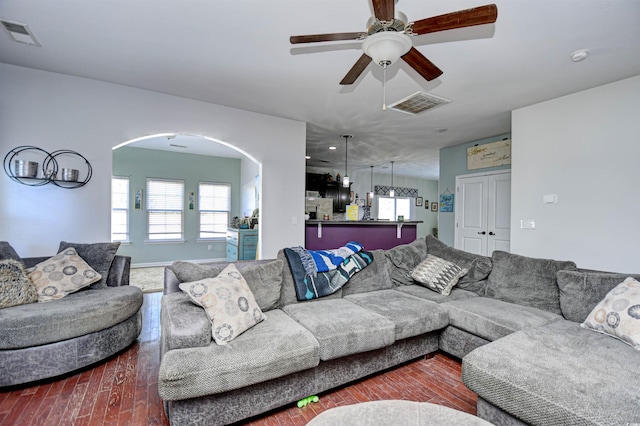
(489, 155)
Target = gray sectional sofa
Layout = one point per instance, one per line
(512, 320)
(45, 340)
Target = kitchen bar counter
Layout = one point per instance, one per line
(372, 234)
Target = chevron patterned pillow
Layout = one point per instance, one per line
(437, 274)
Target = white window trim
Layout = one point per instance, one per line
(212, 239)
(166, 240)
(127, 209)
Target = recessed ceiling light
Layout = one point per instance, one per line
(579, 55)
(332, 147)
(307, 157)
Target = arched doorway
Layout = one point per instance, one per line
(178, 169)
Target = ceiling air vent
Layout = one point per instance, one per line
(417, 103)
(19, 32)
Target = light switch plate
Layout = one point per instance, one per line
(527, 224)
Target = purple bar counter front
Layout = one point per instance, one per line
(372, 234)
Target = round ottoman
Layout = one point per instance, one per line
(395, 412)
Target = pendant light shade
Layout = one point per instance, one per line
(392, 193)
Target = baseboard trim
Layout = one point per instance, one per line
(156, 264)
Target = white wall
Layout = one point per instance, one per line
(249, 171)
(55, 111)
(585, 148)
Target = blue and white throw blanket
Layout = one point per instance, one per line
(318, 273)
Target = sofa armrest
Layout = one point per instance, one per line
(119, 271)
(171, 282)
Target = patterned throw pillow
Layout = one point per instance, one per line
(15, 286)
(228, 302)
(63, 274)
(618, 314)
(437, 274)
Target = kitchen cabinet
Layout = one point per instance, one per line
(341, 196)
(241, 244)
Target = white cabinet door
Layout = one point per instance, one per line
(483, 213)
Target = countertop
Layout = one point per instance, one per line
(360, 222)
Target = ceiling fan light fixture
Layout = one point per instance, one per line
(385, 48)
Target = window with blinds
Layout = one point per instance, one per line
(165, 209)
(214, 204)
(120, 209)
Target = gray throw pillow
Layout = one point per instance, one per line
(98, 255)
(580, 292)
(374, 277)
(264, 279)
(403, 258)
(7, 252)
(15, 286)
(478, 266)
(526, 280)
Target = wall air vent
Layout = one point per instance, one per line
(19, 32)
(417, 103)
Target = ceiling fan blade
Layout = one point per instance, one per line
(314, 38)
(356, 70)
(383, 9)
(421, 64)
(463, 18)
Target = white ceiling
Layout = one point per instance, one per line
(237, 53)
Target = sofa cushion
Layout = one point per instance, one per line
(411, 315)
(342, 327)
(374, 277)
(228, 302)
(7, 252)
(478, 267)
(98, 255)
(526, 280)
(425, 293)
(403, 258)
(271, 349)
(437, 274)
(184, 324)
(77, 314)
(264, 279)
(62, 274)
(15, 286)
(618, 314)
(558, 374)
(581, 291)
(492, 319)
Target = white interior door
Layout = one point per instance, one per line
(483, 213)
(471, 220)
(499, 213)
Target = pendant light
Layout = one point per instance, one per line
(392, 193)
(370, 194)
(345, 179)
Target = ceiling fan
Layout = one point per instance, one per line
(387, 38)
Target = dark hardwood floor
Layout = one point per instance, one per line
(124, 390)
